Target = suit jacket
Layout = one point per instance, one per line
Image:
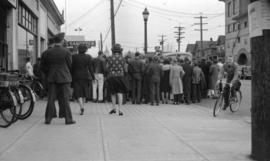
(99, 66)
(135, 69)
(82, 67)
(56, 64)
(188, 69)
(154, 72)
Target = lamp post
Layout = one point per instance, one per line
(145, 18)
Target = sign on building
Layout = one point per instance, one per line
(89, 44)
(259, 17)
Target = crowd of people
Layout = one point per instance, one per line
(120, 79)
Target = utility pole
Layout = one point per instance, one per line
(260, 68)
(66, 16)
(112, 23)
(201, 31)
(101, 42)
(162, 42)
(179, 36)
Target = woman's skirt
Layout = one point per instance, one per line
(117, 84)
(81, 88)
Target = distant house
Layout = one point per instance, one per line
(190, 48)
(221, 46)
(208, 52)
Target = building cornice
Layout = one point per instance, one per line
(53, 10)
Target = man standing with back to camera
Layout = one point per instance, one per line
(56, 64)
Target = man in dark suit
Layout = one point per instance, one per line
(187, 79)
(56, 64)
(154, 72)
(135, 69)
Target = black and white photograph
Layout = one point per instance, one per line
(134, 80)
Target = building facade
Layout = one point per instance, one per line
(26, 26)
(237, 42)
(208, 52)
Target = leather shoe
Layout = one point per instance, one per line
(72, 122)
(47, 122)
(112, 111)
(82, 111)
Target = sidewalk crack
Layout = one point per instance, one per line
(103, 141)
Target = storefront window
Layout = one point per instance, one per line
(27, 19)
(27, 47)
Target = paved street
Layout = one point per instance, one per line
(144, 133)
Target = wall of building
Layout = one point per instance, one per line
(237, 32)
(28, 36)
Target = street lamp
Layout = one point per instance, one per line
(145, 18)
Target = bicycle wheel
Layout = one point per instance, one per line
(236, 101)
(29, 102)
(218, 105)
(37, 87)
(7, 108)
(19, 98)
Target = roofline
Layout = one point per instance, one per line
(52, 8)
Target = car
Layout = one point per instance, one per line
(244, 72)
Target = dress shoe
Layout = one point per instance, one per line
(121, 113)
(112, 111)
(82, 111)
(71, 122)
(47, 122)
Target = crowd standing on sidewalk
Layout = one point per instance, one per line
(121, 79)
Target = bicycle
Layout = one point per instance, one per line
(28, 97)
(234, 100)
(38, 88)
(8, 101)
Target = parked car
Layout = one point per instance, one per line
(244, 72)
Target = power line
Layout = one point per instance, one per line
(118, 7)
(162, 42)
(86, 13)
(201, 31)
(179, 36)
(169, 11)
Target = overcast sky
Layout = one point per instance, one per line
(93, 16)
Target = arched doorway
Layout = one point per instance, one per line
(242, 59)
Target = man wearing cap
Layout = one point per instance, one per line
(56, 64)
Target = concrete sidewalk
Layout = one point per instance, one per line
(144, 133)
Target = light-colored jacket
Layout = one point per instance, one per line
(176, 74)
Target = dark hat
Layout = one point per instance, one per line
(137, 54)
(59, 37)
(155, 59)
(117, 48)
(82, 48)
(186, 59)
(100, 52)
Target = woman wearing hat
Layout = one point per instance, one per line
(116, 82)
(176, 74)
(81, 75)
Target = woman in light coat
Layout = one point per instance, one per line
(176, 74)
